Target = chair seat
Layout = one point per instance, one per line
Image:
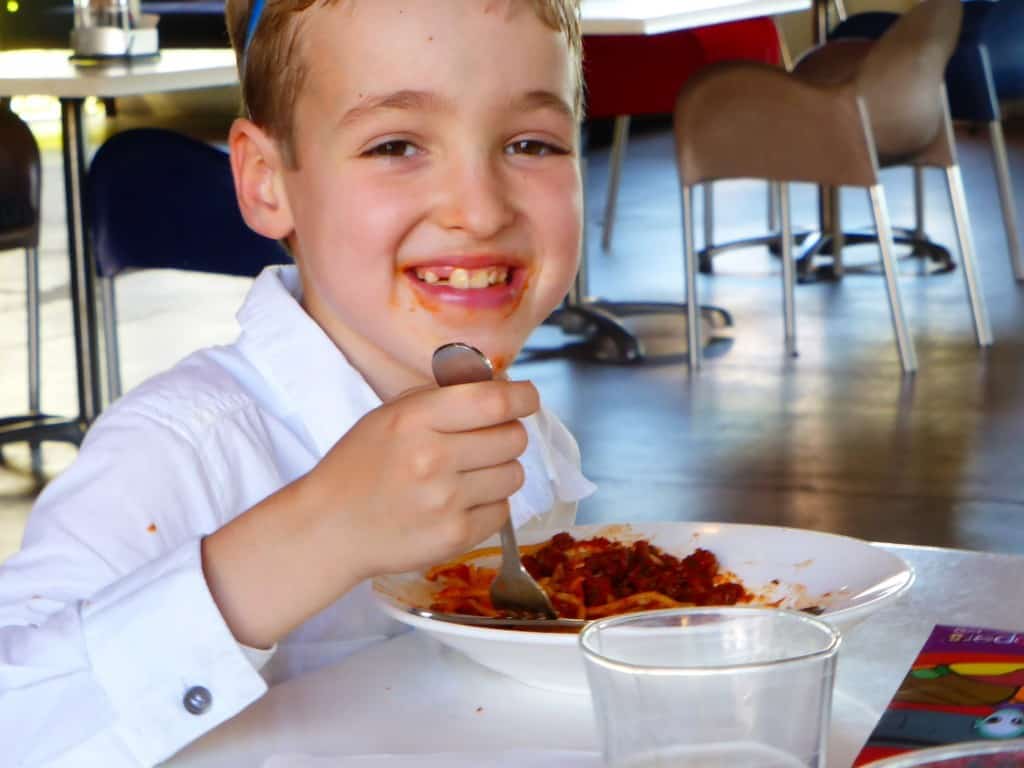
(19, 237)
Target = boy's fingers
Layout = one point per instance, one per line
(492, 484)
(488, 447)
(411, 391)
(466, 407)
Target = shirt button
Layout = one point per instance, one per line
(197, 699)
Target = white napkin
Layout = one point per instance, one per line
(550, 463)
(518, 758)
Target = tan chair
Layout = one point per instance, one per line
(849, 108)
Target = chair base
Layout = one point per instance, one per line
(41, 428)
(631, 332)
(38, 428)
(931, 258)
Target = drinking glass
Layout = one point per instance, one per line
(737, 687)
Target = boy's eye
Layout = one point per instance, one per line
(533, 147)
(393, 149)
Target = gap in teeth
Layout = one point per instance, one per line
(465, 278)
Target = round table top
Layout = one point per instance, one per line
(411, 695)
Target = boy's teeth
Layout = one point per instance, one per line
(459, 278)
(464, 279)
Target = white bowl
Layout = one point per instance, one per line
(848, 578)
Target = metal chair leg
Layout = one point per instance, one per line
(620, 137)
(995, 130)
(979, 313)
(708, 189)
(919, 230)
(773, 211)
(788, 269)
(113, 354)
(840, 9)
(784, 53)
(694, 351)
(32, 307)
(904, 342)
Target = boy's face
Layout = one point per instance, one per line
(437, 195)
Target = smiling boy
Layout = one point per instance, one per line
(420, 159)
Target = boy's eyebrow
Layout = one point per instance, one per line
(402, 100)
(410, 100)
(534, 100)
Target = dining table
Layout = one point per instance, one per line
(409, 701)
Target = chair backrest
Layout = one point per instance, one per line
(20, 182)
(970, 84)
(158, 199)
(900, 78)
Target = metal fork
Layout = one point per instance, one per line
(513, 589)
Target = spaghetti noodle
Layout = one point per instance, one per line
(594, 578)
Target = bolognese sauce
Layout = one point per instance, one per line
(594, 578)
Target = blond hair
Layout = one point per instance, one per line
(272, 70)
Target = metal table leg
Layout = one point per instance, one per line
(83, 271)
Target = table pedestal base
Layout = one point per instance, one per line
(631, 332)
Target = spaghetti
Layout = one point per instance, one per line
(594, 578)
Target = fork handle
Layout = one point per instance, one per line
(509, 548)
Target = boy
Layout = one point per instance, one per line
(420, 159)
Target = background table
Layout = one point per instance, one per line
(51, 73)
(409, 694)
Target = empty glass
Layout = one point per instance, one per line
(710, 687)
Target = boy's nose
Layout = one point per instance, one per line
(475, 198)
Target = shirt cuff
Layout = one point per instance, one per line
(165, 656)
(258, 657)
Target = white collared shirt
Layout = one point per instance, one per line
(106, 621)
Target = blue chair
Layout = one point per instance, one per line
(159, 200)
(987, 67)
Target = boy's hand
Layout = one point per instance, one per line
(413, 483)
(424, 477)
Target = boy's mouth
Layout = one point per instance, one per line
(479, 285)
(463, 279)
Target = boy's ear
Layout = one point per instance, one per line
(258, 167)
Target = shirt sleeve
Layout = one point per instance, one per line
(112, 650)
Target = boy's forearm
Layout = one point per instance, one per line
(267, 569)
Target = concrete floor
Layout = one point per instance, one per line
(834, 440)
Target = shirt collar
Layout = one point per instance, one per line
(310, 375)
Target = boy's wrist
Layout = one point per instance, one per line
(275, 565)
(337, 554)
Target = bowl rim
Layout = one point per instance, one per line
(903, 577)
